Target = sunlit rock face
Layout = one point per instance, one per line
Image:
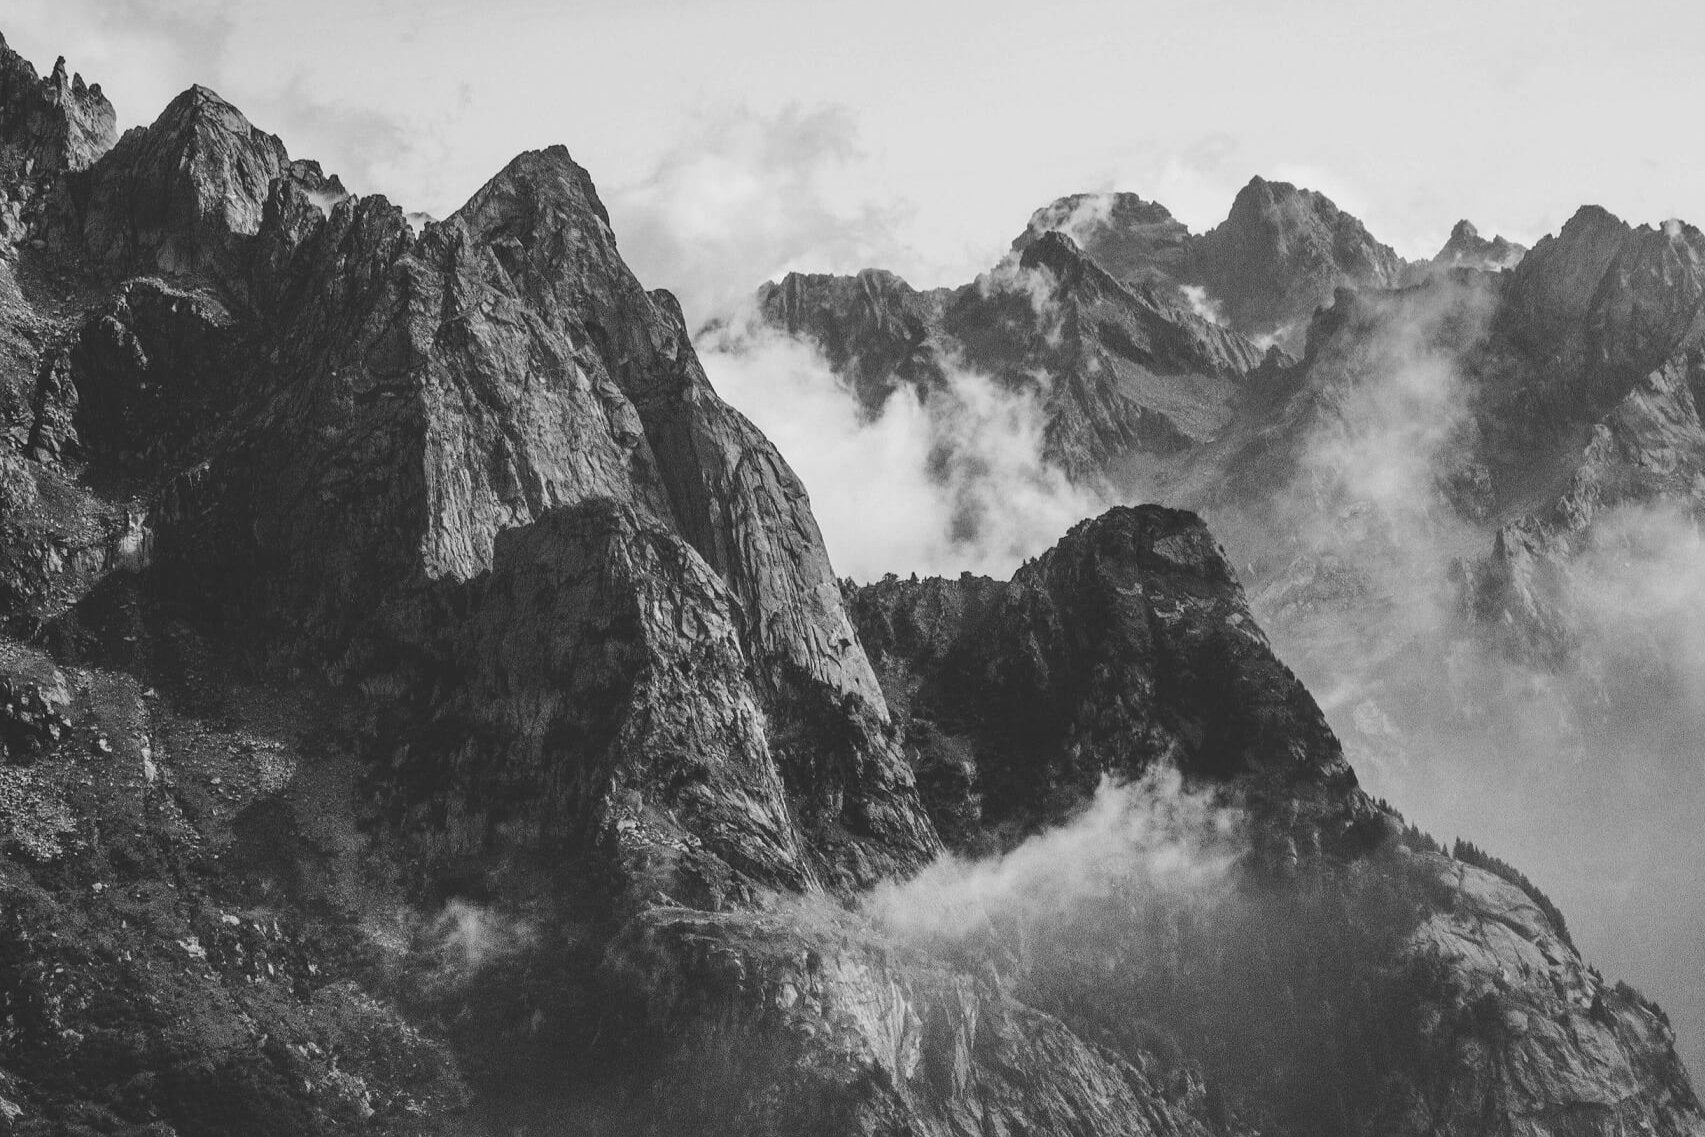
(428, 708)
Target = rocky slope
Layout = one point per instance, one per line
(428, 708)
(1468, 509)
(1139, 338)
(1126, 371)
(1354, 978)
(1282, 252)
(1466, 248)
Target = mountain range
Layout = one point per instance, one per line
(428, 707)
(1464, 493)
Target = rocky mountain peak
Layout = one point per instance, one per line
(50, 124)
(1604, 303)
(1281, 253)
(537, 189)
(1062, 257)
(180, 195)
(873, 327)
(1131, 238)
(1466, 248)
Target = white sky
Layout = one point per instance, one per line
(734, 140)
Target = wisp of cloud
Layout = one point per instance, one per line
(950, 481)
(1150, 838)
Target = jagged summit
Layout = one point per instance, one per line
(185, 193)
(1282, 251)
(1466, 248)
(548, 178)
(53, 123)
(1131, 238)
(1608, 302)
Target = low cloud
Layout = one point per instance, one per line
(1081, 221)
(1585, 774)
(1147, 839)
(1640, 592)
(1204, 305)
(465, 937)
(948, 481)
(745, 197)
(1037, 285)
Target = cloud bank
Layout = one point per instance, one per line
(1147, 839)
(745, 196)
(950, 481)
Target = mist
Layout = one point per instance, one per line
(1588, 776)
(947, 482)
(1146, 924)
(1149, 838)
(1585, 773)
(746, 196)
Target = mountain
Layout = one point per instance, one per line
(1147, 337)
(427, 707)
(1130, 372)
(1467, 508)
(1468, 249)
(1280, 253)
(50, 124)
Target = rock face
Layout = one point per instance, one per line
(1134, 240)
(1148, 337)
(1282, 252)
(428, 708)
(1450, 1000)
(1129, 370)
(182, 195)
(49, 125)
(1468, 249)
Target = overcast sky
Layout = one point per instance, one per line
(735, 140)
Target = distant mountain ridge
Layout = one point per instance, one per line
(1471, 488)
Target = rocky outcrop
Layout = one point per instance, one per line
(1597, 307)
(1127, 369)
(1453, 997)
(49, 125)
(1135, 241)
(180, 196)
(1536, 1041)
(873, 328)
(1466, 248)
(1138, 337)
(1282, 252)
(1125, 648)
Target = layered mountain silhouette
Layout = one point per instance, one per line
(1465, 494)
(427, 707)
